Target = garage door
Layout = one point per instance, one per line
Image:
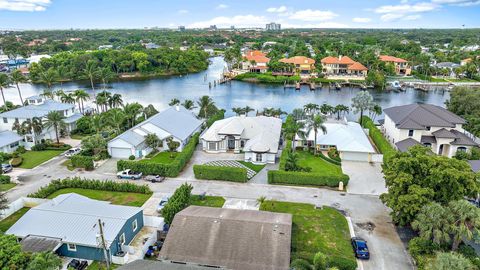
(355, 156)
(120, 152)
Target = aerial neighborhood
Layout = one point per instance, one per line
(227, 144)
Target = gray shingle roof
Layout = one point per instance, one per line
(8, 137)
(443, 133)
(404, 145)
(462, 139)
(34, 243)
(73, 218)
(158, 265)
(231, 238)
(40, 110)
(475, 164)
(428, 139)
(420, 116)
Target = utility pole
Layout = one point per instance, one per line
(104, 244)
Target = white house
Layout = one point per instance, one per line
(39, 107)
(176, 122)
(428, 125)
(10, 141)
(347, 137)
(258, 137)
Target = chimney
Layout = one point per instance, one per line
(177, 107)
(340, 57)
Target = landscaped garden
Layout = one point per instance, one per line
(317, 164)
(317, 230)
(120, 198)
(32, 159)
(256, 167)
(8, 222)
(162, 157)
(210, 201)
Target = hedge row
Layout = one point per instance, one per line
(85, 162)
(220, 173)
(172, 169)
(380, 141)
(304, 178)
(77, 182)
(5, 179)
(322, 156)
(283, 158)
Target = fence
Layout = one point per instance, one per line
(19, 204)
(152, 221)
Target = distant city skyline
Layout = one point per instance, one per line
(103, 14)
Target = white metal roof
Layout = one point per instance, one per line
(8, 137)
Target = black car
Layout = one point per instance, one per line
(360, 248)
(77, 265)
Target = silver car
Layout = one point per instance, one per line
(162, 204)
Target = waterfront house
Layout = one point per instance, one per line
(302, 65)
(402, 67)
(255, 61)
(39, 107)
(175, 122)
(69, 226)
(10, 141)
(258, 137)
(427, 125)
(343, 66)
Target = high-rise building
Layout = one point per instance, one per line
(273, 26)
(213, 27)
(181, 28)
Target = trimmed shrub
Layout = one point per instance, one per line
(21, 149)
(16, 161)
(283, 158)
(333, 154)
(220, 173)
(179, 201)
(131, 157)
(39, 147)
(4, 179)
(78, 182)
(304, 178)
(322, 156)
(341, 263)
(85, 162)
(58, 146)
(380, 141)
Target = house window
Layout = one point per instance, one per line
(15, 144)
(121, 239)
(461, 149)
(135, 225)
(428, 128)
(242, 144)
(5, 120)
(258, 157)
(212, 146)
(410, 133)
(71, 247)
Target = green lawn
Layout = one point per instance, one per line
(210, 201)
(318, 165)
(252, 166)
(5, 187)
(5, 224)
(68, 163)
(120, 198)
(101, 266)
(315, 230)
(32, 159)
(78, 136)
(162, 157)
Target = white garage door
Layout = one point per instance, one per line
(355, 156)
(117, 152)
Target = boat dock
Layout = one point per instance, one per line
(298, 85)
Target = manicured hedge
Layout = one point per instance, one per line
(283, 158)
(304, 178)
(380, 141)
(5, 179)
(85, 162)
(77, 182)
(220, 173)
(322, 156)
(172, 169)
(16, 161)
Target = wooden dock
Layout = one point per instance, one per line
(298, 85)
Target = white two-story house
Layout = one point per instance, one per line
(428, 125)
(39, 107)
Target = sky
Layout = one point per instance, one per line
(101, 14)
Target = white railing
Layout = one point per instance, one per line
(153, 221)
(377, 158)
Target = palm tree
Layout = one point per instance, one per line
(248, 109)
(132, 110)
(205, 103)
(4, 83)
(106, 75)
(115, 101)
(296, 128)
(340, 108)
(102, 99)
(464, 218)
(36, 125)
(97, 122)
(69, 98)
(62, 73)
(149, 111)
(238, 111)
(48, 93)
(54, 119)
(189, 104)
(316, 124)
(60, 94)
(375, 110)
(48, 77)
(326, 109)
(117, 118)
(91, 71)
(81, 96)
(17, 77)
(431, 223)
(174, 102)
(298, 114)
(311, 108)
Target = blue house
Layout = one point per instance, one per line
(69, 226)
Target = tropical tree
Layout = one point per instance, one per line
(152, 140)
(115, 101)
(298, 114)
(206, 104)
(91, 72)
(117, 117)
(431, 223)
(102, 100)
(450, 261)
(48, 77)
(4, 83)
(172, 145)
(294, 128)
(45, 260)
(81, 96)
(59, 94)
(238, 111)
(94, 144)
(339, 109)
(98, 122)
(316, 124)
(48, 93)
(62, 74)
(105, 75)
(132, 110)
(17, 77)
(189, 104)
(375, 111)
(54, 119)
(174, 102)
(149, 111)
(311, 108)
(326, 109)
(68, 98)
(362, 102)
(248, 109)
(291, 162)
(11, 255)
(464, 218)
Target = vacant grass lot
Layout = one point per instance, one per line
(255, 167)
(5, 187)
(318, 165)
(210, 201)
(5, 224)
(120, 198)
(315, 230)
(32, 159)
(162, 157)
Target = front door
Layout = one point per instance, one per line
(231, 143)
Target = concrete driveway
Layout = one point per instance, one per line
(365, 178)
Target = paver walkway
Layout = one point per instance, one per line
(232, 163)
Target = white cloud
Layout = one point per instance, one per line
(406, 11)
(412, 17)
(361, 20)
(238, 20)
(310, 15)
(461, 3)
(222, 6)
(182, 11)
(280, 9)
(316, 25)
(24, 5)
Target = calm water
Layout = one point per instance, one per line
(159, 92)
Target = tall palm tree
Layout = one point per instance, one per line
(340, 108)
(326, 109)
(48, 93)
(205, 103)
(60, 94)
(174, 101)
(248, 109)
(69, 98)
(91, 71)
(48, 77)
(17, 77)
(316, 124)
(132, 110)
(189, 104)
(311, 108)
(117, 118)
(149, 111)
(81, 96)
(54, 119)
(238, 111)
(62, 73)
(106, 75)
(36, 125)
(115, 101)
(103, 97)
(4, 83)
(296, 128)
(465, 221)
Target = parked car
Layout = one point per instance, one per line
(77, 264)
(162, 203)
(360, 248)
(154, 178)
(72, 152)
(129, 174)
(7, 168)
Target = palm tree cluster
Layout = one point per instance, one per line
(15, 78)
(206, 107)
(272, 112)
(242, 110)
(187, 104)
(106, 100)
(30, 126)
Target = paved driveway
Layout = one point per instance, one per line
(365, 178)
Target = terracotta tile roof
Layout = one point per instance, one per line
(257, 56)
(255, 53)
(298, 60)
(357, 66)
(345, 60)
(388, 58)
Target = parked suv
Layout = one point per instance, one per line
(360, 248)
(129, 174)
(6, 168)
